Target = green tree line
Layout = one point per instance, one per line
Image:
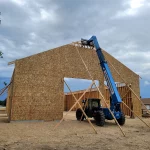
(1, 54)
(3, 103)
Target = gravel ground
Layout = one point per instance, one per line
(73, 135)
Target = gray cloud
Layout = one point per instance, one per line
(122, 28)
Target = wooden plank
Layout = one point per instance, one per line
(2, 108)
(3, 115)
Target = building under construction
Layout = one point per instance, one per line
(37, 88)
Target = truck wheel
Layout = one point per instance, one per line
(121, 121)
(79, 114)
(100, 118)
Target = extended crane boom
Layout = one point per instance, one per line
(105, 68)
(115, 98)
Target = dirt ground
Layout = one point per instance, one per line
(73, 135)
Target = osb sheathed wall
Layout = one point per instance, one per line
(38, 87)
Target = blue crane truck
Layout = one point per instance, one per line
(92, 106)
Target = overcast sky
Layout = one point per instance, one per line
(121, 26)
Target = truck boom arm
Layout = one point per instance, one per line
(115, 97)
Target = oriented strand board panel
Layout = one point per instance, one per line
(38, 86)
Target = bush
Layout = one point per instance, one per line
(3, 103)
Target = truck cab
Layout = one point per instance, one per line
(92, 108)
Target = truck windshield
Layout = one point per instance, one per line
(95, 104)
